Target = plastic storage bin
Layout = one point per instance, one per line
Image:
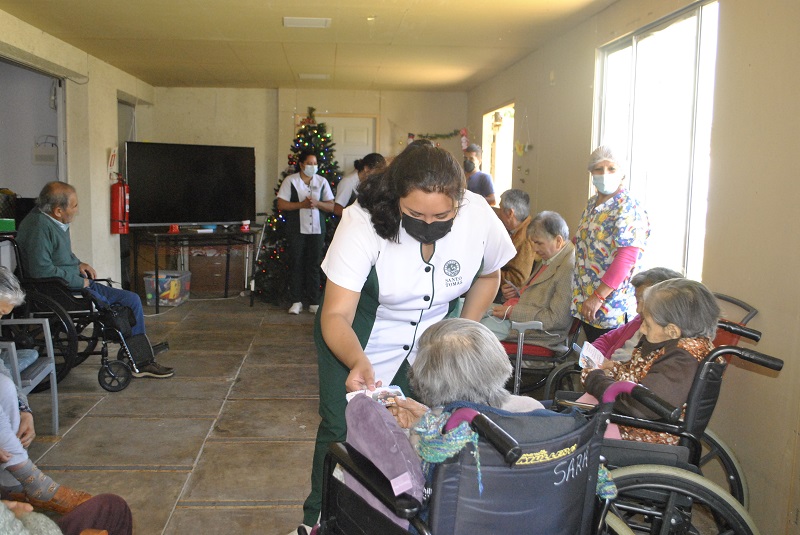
(173, 287)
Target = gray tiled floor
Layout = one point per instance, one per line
(223, 447)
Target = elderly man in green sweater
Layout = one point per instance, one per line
(46, 251)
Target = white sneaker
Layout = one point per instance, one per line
(296, 308)
(313, 308)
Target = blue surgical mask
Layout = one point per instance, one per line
(606, 184)
(310, 170)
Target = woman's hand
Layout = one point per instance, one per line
(26, 432)
(361, 376)
(407, 412)
(19, 509)
(590, 307)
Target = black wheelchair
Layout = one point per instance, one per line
(80, 326)
(543, 480)
(710, 455)
(659, 488)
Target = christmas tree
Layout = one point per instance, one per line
(272, 263)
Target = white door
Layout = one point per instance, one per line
(354, 138)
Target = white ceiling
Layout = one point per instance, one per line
(432, 45)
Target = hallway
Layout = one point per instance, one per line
(223, 447)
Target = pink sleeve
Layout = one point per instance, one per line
(613, 340)
(620, 267)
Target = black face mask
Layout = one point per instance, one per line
(469, 166)
(426, 232)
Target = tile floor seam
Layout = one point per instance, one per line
(205, 440)
(61, 437)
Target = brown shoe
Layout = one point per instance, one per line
(63, 501)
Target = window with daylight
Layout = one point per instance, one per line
(654, 104)
(498, 147)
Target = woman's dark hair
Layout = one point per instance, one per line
(419, 167)
(373, 160)
(301, 158)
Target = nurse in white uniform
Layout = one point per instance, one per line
(413, 243)
(347, 189)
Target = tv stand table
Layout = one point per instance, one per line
(228, 238)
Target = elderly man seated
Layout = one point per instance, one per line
(514, 213)
(46, 251)
(547, 294)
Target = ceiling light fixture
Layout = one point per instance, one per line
(306, 22)
(304, 76)
(372, 18)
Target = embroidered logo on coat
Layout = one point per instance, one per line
(452, 268)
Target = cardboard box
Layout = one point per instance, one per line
(173, 287)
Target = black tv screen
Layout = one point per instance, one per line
(190, 184)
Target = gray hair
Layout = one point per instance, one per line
(474, 148)
(517, 200)
(460, 360)
(654, 276)
(550, 224)
(604, 152)
(10, 290)
(685, 303)
(54, 195)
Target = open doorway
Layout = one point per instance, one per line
(31, 140)
(498, 147)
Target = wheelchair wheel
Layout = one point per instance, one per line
(62, 333)
(667, 500)
(720, 464)
(565, 376)
(115, 376)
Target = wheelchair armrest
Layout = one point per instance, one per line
(362, 469)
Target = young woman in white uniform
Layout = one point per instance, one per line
(401, 257)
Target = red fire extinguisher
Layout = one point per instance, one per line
(120, 206)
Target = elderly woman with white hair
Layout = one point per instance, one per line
(20, 479)
(459, 360)
(609, 242)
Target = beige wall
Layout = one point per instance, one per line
(92, 90)
(235, 117)
(752, 247)
(753, 191)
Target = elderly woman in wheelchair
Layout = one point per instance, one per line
(679, 321)
(459, 360)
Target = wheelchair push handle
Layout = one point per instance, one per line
(746, 354)
(646, 397)
(740, 330)
(504, 443)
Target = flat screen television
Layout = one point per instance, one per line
(190, 184)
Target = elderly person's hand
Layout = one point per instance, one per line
(26, 432)
(407, 412)
(501, 311)
(19, 509)
(87, 271)
(509, 291)
(4, 456)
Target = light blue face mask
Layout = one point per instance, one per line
(606, 184)
(310, 170)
